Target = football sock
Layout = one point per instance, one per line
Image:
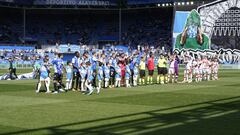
(47, 85)
(55, 86)
(99, 84)
(151, 79)
(39, 86)
(67, 85)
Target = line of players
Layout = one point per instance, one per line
(195, 69)
(85, 71)
(200, 69)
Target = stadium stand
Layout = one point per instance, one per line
(142, 26)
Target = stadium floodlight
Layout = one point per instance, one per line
(179, 4)
(167, 4)
(183, 3)
(187, 3)
(192, 2)
(163, 5)
(158, 5)
(174, 3)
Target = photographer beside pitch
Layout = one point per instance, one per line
(12, 68)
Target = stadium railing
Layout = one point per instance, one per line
(22, 65)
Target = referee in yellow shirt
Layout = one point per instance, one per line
(162, 69)
(142, 67)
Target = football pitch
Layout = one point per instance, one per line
(206, 108)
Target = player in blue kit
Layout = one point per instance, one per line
(118, 75)
(135, 74)
(44, 72)
(89, 80)
(83, 74)
(107, 74)
(100, 77)
(112, 76)
(76, 60)
(127, 75)
(36, 69)
(93, 60)
(58, 67)
(69, 75)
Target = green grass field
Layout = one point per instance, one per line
(206, 108)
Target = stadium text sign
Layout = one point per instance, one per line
(11, 1)
(73, 2)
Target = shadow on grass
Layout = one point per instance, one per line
(209, 118)
(233, 85)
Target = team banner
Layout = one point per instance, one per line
(221, 18)
(191, 36)
(179, 22)
(203, 28)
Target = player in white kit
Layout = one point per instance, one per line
(188, 69)
(199, 63)
(206, 68)
(201, 67)
(215, 67)
(210, 63)
(195, 68)
(171, 71)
